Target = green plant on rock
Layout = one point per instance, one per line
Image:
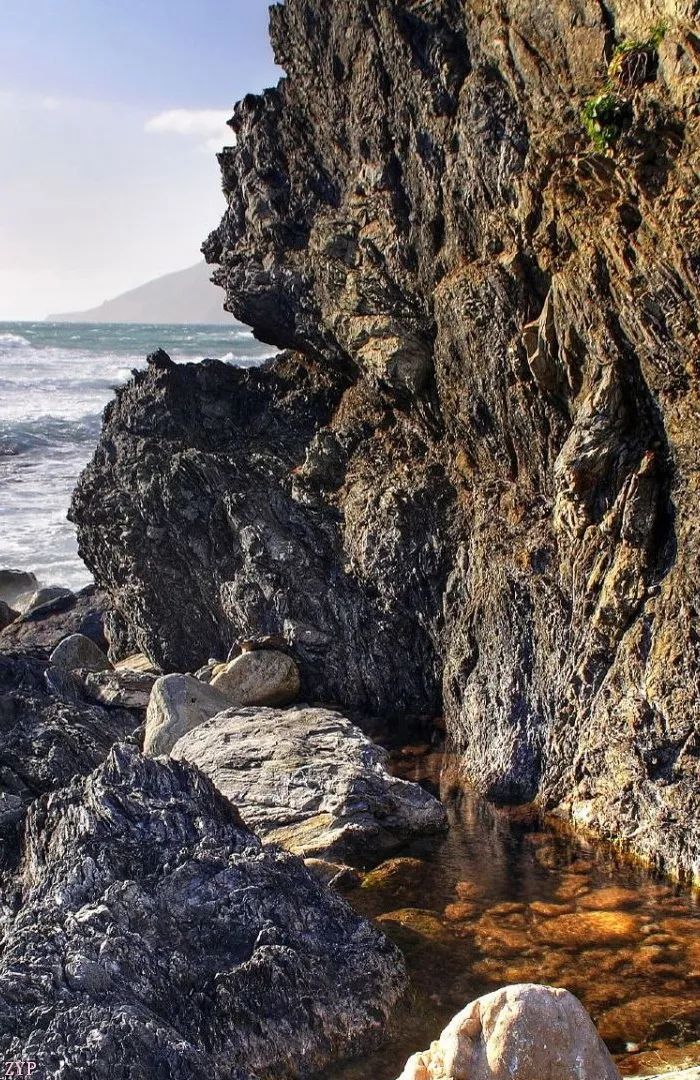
(635, 60)
(602, 117)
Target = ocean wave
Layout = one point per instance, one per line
(26, 436)
(14, 341)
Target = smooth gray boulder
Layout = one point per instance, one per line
(312, 781)
(124, 688)
(159, 939)
(521, 1032)
(177, 704)
(259, 677)
(15, 584)
(77, 652)
(41, 598)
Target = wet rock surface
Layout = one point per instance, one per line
(17, 584)
(152, 916)
(120, 688)
(471, 914)
(310, 780)
(474, 482)
(7, 615)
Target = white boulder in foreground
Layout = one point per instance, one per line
(685, 1074)
(260, 677)
(311, 781)
(521, 1032)
(177, 704)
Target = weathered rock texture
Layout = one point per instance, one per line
(522, 1032)
(48, 735)
(157, 938)
(474, 483)
(310, 780)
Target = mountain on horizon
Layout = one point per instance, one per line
(185, 296)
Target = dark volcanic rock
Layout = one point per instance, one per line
(48, 735)
(172, 944)
(43, 628)
(477, 479)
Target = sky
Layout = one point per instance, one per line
(111, 112)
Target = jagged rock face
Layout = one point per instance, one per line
(480, 484)
(48, 735)
(188, 513)
(157, 938)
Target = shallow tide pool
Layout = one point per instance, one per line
(505, 898)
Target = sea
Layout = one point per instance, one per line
(55, 380)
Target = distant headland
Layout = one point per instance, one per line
(186, 296)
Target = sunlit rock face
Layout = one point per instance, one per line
(473, 484)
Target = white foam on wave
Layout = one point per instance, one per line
(14, 341)
(242, 360)
(53, 390)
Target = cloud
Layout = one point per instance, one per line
(11, 99)
(207, 124)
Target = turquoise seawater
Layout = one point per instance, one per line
(55, 380)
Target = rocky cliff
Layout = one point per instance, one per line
(472, 482)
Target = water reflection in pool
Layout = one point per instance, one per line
(504, 898)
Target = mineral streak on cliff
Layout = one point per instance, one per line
(474, 480)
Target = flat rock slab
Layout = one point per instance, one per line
(311, 781)
(124, 689)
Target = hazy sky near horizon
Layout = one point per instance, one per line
(110, 117)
